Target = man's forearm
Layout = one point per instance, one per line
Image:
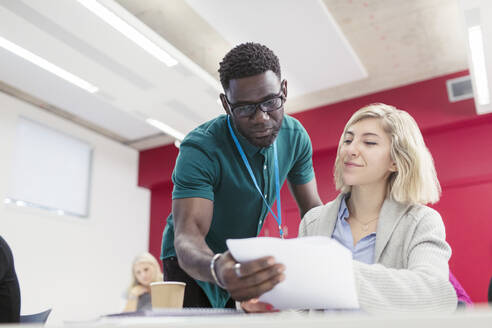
(316, 201)
(306, 196)
(194, 258)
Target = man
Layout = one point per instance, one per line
(214, 195)
(9, 286)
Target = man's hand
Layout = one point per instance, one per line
(192, 219)
(256, 277)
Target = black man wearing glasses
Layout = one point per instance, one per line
(228, 174)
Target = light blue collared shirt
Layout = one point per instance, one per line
(363, 251)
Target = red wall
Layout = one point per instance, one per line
(460, 141)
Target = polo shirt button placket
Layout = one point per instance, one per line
(265, 176)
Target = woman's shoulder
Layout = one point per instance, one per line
(422, 218)
(420, 212)
(318, 212)
(313, 214)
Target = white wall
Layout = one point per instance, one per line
(78, 266)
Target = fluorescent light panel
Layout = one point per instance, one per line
(165, 128)
(127, 30)
(44, 64)
(478, 62)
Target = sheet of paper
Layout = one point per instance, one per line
(318, 275)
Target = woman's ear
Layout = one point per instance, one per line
(393, 167)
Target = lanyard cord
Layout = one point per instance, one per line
(277, 183)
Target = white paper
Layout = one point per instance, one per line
(318, 274)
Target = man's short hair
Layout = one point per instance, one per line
(247, 59)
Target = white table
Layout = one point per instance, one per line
(478, 317)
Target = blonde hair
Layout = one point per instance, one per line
(145, 257)
(415, 181)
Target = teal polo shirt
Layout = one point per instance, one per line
(209, 166)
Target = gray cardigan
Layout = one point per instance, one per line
(411, 272)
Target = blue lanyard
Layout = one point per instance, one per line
(277, 184)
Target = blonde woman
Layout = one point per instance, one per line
(386, 175)
(145, 270)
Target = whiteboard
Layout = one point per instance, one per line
(51, 170)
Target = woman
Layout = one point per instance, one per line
(145, 270)
(386, 175)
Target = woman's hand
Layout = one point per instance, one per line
(139, 290)
(135, 292)
(255, 306)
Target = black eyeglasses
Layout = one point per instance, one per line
(271, 104)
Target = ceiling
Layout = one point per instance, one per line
(329, 51)
(397, 41)
(133, 85)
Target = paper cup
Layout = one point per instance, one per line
(167, 294)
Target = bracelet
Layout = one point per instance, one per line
(212, 270)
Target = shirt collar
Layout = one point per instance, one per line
(343, 212)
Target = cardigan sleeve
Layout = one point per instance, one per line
(423, 287)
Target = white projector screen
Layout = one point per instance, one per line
(51, 170)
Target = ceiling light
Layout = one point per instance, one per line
(478, 62)
(50, 67)
(165, 128)
(129, 31)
